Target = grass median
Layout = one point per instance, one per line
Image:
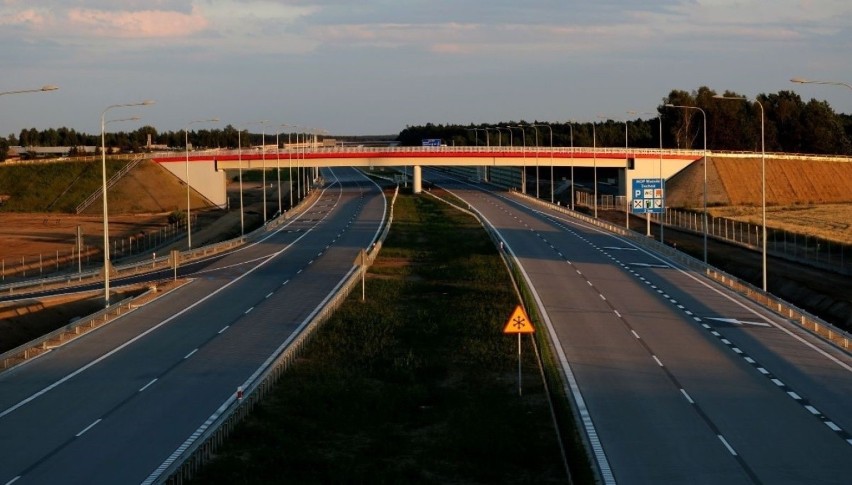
(417, 384)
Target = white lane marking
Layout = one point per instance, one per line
(226, 327)
(763, 371)
(687, 396)
(794, 395)
(602, 297)
(657, 361)
(812, 410)
(833, 426)
(735, 349)
(750, 360)
(10, 482)
(777, 382)
(146, 386)
(268, 294)
(617, 314)
(725, 442)
(284, 283)
(87, 428)
(298, 272)
(190, 354)
(635, 334)
(248, 311)
(726, 341)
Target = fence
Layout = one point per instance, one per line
(811, 250)
(88, 257)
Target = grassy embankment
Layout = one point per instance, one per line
(51, 187)
(417, 384)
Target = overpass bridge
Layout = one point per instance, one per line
(204, 170)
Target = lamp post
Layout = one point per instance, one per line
(762, 177)
(626, 188)
(809, 81)
(537, 183)
(524, 151)
(595, 170)
(104, 190)
(262, 124)
(571, 126)
(186, 147)
(46, 87)
(704, 218)
(551, 159)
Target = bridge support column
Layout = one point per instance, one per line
(416, 179)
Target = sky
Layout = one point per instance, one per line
(371, 67)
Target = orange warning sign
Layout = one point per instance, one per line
(518, 322)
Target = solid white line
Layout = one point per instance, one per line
(190, 354)
(725, 442)
(657, 361)
(813, 410)
(146, 386)
(224, 328)
(88, 428)
(833, 426)
(248, 311)
(794, 395)
(687, 397)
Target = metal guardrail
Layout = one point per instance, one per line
(63, 335)
(188, 459)
(802, 318)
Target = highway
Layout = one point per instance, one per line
(677, 380)
(110, 407)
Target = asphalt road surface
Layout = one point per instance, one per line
(112, 406)
(677, 379)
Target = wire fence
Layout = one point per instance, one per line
(803, 248)
(79, 257)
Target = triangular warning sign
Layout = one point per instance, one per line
(518, 322)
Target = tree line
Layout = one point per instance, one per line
(790, 125)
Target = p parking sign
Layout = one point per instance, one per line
(648, 196)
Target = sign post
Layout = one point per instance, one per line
(361, 261)
(519, 323)
(648, 198)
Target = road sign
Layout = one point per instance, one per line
(518, 322)
(648, 196)
(431, 142)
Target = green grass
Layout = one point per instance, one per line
(51, 187)
(415, 385)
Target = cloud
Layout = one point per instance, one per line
(135, 24)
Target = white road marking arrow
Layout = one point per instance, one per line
(738, 322)
(647, 265)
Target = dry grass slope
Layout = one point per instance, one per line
(736, 182)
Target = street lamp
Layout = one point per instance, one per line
(704, 115)
(46, 87)
(524, 151)
(595, 170)
(104, 188)
(186, 147)
(762, 176)
(551, 160)
(262, 124)
(571, 126)
(808, 81)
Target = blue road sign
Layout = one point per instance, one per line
(431, 142)
(648, 196)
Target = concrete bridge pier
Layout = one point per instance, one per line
(416, 179)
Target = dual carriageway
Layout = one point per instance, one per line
(674, 378)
